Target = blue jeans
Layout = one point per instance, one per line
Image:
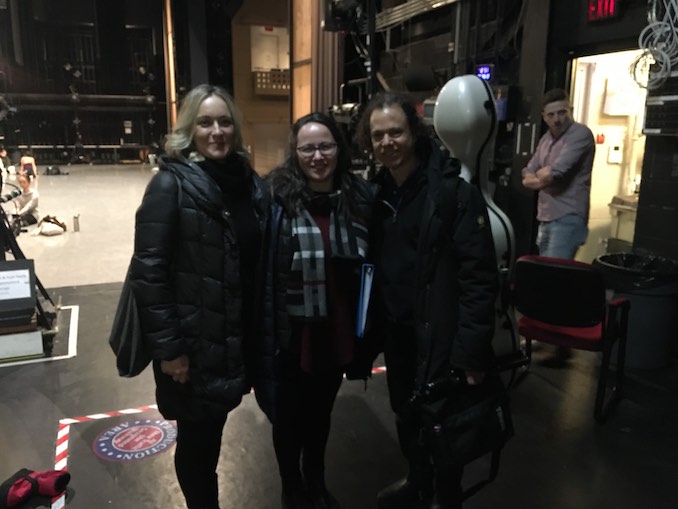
(562, 237)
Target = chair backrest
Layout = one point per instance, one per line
(559, 292)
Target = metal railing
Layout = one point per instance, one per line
(393, 16)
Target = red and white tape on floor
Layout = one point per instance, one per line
(61, 456)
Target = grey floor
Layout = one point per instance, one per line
(105, 199)
(559, 458)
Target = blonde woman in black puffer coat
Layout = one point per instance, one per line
(198, 246)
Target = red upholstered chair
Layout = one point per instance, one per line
(563, 302)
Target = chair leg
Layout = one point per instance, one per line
(604, 404)
(528, 360)
(600, 406)
(528, 350)
(621, 363)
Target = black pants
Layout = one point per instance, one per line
(301, 426)
(195, 460)
(400, 354)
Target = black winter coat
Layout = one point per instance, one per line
(186, 280)
(277, 327)
(456, 275)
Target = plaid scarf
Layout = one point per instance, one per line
(306, 290)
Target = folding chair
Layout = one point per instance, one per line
(563, 303)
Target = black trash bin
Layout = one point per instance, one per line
(651, 285)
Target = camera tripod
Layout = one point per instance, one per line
(46, 310)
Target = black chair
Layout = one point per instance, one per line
(563, 303)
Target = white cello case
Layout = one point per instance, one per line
(465, 120)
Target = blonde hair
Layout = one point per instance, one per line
(179, 143)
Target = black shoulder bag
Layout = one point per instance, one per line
(464, 422)
(126, 338)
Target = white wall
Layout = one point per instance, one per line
(270, 48)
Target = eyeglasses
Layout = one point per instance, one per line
(326, 149)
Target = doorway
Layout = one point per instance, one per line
(608, 100)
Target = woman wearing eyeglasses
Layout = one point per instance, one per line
(318, 244)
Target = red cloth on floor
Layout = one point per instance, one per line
(27, 483)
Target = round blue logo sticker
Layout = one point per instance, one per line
(136, 440)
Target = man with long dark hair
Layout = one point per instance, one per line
(438, 280)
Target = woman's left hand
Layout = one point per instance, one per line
(177, 369)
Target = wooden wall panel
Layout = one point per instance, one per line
(301, 90)
(260, 113)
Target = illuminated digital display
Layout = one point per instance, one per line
(484, 72)
(599, 10)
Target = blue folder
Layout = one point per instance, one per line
(366, 278)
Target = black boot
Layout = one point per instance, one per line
(416, 489)
(314, 477)
(313, 470)
(294, 496)
(323, 499)
(447, 493)
(443, 502)
(404, 494)
(295, 500)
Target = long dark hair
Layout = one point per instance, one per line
(288, 182)
(420, 131)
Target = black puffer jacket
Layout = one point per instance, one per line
(186, 280)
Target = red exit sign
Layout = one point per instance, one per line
(599, 10)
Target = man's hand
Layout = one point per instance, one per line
(545, 176)
(475, 377)
(542, 178)
(531, 181)
(177, 369)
